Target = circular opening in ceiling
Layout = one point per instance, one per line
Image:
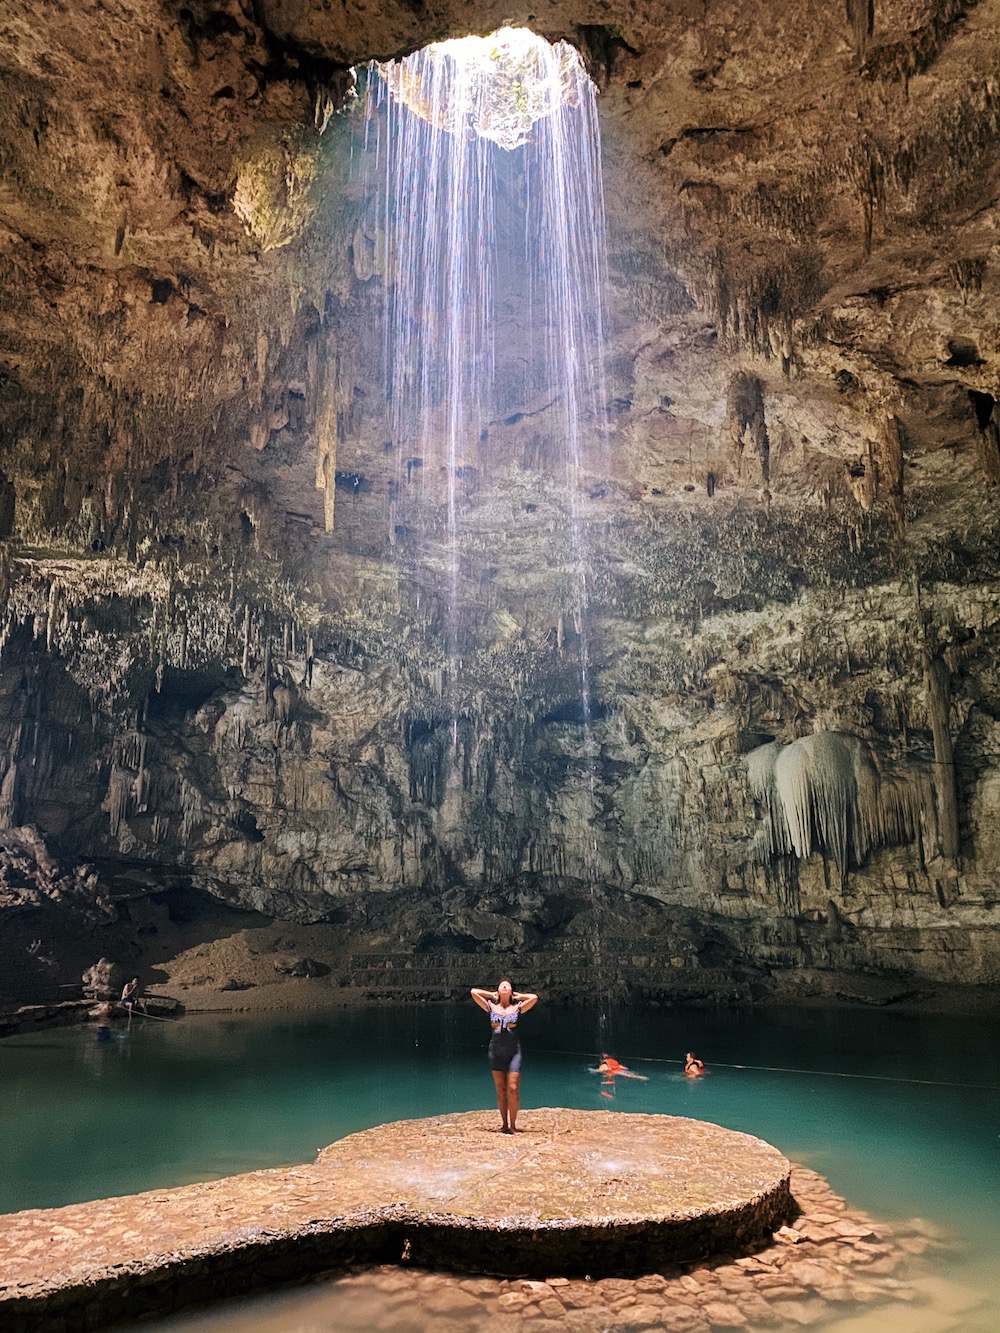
(496, 87)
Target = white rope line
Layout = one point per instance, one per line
(780, 1069)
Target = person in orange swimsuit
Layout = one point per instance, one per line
(609, 1065)
(612, 1069)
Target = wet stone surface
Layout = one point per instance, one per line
(576, 1193)
(418, 1188)
(833, 1270)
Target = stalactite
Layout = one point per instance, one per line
(8, 797)
(861, 16)
(920, 45)
(747, 424)
(192, 810)
(939, 711)
(988, 440)
(824, 793)
(256, 386)
(285, 698)
(862, 479)
(774, 838)
(888, 456)
(141, 789)
(326, 428)
(268, 699)
(967, 274)
(51, 614)
(246, 640)
(120, 789)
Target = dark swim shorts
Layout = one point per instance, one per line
(505, 1052)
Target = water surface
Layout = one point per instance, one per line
(897, 1111)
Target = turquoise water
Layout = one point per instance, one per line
(913, 1130)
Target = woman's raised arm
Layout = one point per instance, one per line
(482, 997)
(527, 1000)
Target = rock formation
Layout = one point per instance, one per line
(225, 600)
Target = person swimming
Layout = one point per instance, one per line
(612, 1069)
(504, 1007)
(102, 1013)
(693, 1067)
(609, 1065)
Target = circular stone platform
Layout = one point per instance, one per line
(596, 1192)
(593, 1193)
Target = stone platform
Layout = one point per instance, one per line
(577, 1192)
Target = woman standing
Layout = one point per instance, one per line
(505, 1007)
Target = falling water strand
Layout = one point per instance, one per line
(568, 216)
(493, 214)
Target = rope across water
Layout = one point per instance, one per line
(774, 1069)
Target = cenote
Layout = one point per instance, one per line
(897, 1110)
(466, 502)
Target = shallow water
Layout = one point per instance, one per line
(897, 1111)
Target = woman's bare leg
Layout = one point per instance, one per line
(513, 1097)
(500, 1079)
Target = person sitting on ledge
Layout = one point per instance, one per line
(505, 1006)
(693, 1067)
(130, 994)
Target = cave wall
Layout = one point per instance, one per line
(212, 666)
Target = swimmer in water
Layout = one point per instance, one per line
(609, 1065)
(612, 1069)
(504, 1007)
(693, 1067)
(103, 1015)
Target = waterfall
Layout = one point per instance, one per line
(486, 206)
(491, 219)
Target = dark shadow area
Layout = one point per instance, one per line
(183, 692)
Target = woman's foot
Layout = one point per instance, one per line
(506, 1129)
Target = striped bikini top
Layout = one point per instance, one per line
(507, 1021)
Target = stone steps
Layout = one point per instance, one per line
(619, 974)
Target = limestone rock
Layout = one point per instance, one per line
(103, 981)
(312, 701)
(300, 967)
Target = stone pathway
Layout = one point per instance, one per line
(579, 1196)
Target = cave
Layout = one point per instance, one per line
(511, 491)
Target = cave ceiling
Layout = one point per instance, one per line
(805, 195)
(802, 363)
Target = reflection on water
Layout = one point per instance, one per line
(897, 1111)
(401, 1302)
